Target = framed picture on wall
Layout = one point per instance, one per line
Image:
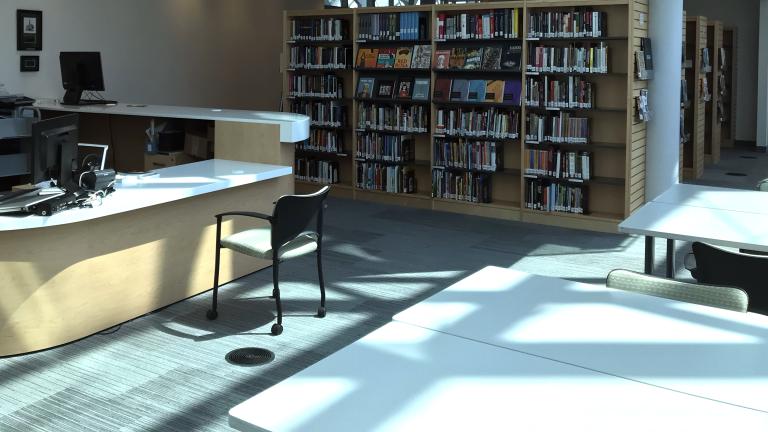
(29, 30)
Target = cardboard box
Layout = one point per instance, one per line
(197, 146)
(163, 160)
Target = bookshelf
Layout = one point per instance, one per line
(610, 183)
(712, 124)
(685, 102)
(693, 149)
(728, 93)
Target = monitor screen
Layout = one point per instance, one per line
(81, 71)
(54, 150)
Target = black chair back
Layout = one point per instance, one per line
(720, 267)
(294, 213)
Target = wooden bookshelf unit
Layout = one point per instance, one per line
(693, 150)
(728, 93)
(712, 133)
(495, 164)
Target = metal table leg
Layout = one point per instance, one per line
(649, 245)
(670, 258)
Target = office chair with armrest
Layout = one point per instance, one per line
(287, 237)
(762, 185)
(734, 299)
(720, 267)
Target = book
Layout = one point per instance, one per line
(385, 89)
(640, 65)
(362, 54)
(494, 91)
(474, 58)
(491, 58)
(511, 57)
(370, 56)
(458, 56)
(442, 89)
(404, 88)
(386, 58)
(647, 49)
(476, 92)
(442, 59)
(459, 90)
(403, 58)
(365, 87)
(420, 89)
(512, 91)
(422, 56)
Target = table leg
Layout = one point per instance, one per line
(649, 245)
(670, 258)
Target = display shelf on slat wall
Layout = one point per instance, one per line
(695, 41)
(685, 103)
(728, 96)
(618, 140)
(712, 122)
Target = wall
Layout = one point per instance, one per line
(214, 53)
(762, 86)
(743, 15)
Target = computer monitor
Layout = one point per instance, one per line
(80, 71)
(54, 151)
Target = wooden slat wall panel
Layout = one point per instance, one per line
(635, 189)
(683, 110)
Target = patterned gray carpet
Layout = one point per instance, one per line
(166, 371)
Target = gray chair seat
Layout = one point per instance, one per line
(708, 295)
(257, 243)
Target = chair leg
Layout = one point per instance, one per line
(212, 313)
(321, 309)
(277, 328)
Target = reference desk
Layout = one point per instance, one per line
(150, 244)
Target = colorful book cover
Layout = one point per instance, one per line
(371, 56)
(458, 57)
(512, 91)
(474, 58)
(385, 89)
(476, 92)
(403, 58)
(442, 89)
(492, 58)
(386, 58)
(494, 91)
(511, 57)
(442, 59)
(420, 89)
(365, 87)
(362, 55)
(421, 57)
(459, 90)
(404, 88)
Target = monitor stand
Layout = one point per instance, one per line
(72, 97)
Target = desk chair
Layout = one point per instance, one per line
(762, 185)
(287, 237)
(708, 295)
(717, 266)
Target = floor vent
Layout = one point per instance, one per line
(250, 356)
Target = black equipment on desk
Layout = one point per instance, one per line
(81, 71)
(54, 151)
(10, 103)
(97, 180)
(55, 205)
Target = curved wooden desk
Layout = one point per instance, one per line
(148, 245)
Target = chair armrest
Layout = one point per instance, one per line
(245, 213)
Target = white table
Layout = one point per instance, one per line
(406, 378)
(698, 350)
(720, 216)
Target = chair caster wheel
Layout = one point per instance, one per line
(211, 314)
(276, 329)
(321, 312)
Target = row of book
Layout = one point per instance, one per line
(317, 57)
(560, 128)
(322, 140)
(405, 88)
(561, 164)
(490, 122)
(574, 58)
(396, 118)
(547, 196)
(319, 29)
(491, 91)
(316, 170)
(493, 24)
(567, 92)
(706, 62)
(321, 113)
(328, 86)
(506, 57)
(393, 26)
(469, 155)
(386, 148)
(575, 23)
(387, 178)
(461, 186)
(416, 57)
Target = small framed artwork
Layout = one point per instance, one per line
(386, 89)
(404, 88)
(30, 64)
(29, 30)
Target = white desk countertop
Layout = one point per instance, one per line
(172, 183)
(407, 378)
(293, 127)
(699, 350)
(716, 198)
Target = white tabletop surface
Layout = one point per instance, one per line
(172, 183)
(728, 228)
(716, 198)
(406, 378)
(293, 127)
(709, 352)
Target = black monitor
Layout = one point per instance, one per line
(54, 151)
(80, 71)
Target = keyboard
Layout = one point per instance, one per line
(7, 196)
(97, 102)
